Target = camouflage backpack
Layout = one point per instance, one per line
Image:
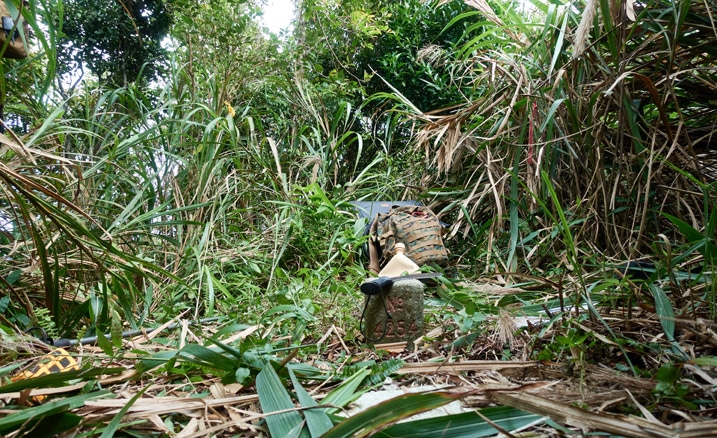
(15, 31)
(416, 226)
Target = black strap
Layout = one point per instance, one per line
(385, 325)
(43, 335)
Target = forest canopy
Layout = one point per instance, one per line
(118, 41)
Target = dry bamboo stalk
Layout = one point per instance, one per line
(473, 365)
(623, 425)
(166, 405)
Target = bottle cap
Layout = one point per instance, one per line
(399, 263)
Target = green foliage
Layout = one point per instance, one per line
(120, 42)
(52, 417)
(670, 388)
(222, 60)
(274, 397)
(377, 372)
(702, 242)
(44, 321)
(56, 380)
(380, 420)
(225, 189)
(572, 344)
(416, 54)
(369, 42)
(466, 425)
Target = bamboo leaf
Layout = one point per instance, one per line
(10, 422)
(549, 118)
(203, 356)
(709, 361)
(389, 412)
(558, 49)
(664, 310)
(16, 420)
(467, 425)
(54, 380)
(227, 348)
(113, 426)
(316, 419)
(105, 345)
(274, 397)
(346, 392)
(706, 244)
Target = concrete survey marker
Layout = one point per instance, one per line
(404, 304)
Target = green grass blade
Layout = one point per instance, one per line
(227, 348)
(16, 420)
(111, 428)
(558, 49)
(663, 307)
(707, 361)
(694, 236)
(54, 380)
(53, 425)
(12, 421)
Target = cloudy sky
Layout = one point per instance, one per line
(278, 14)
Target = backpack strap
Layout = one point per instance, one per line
(374, 248)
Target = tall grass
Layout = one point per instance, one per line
(606, 123)
(179, 204)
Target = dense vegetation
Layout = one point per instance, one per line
(181, 163)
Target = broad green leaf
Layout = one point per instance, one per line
(668, 373)
(52, 425)
(288, 309)
(467, 425)
(346, 392)
(242, 375)
(316, 419)
(203, 356)
(32, 415)
(666, 314)
(54, 380)
(157, 359)
(664, 310)
(687, 230)
(227, 348)
(389, 412)
(105, 345)
(273, 397)
(310, 372)
(10, 368)
(706, 242)
(12, 421)
(549, 118)
(558, 48)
